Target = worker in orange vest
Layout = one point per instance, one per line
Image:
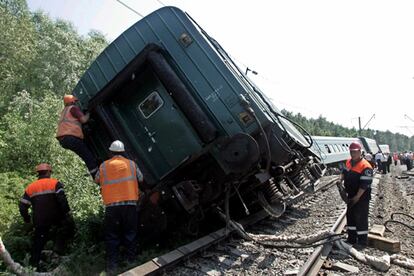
(70, 134)
(50, 209)
(118, 178)
(357, 177)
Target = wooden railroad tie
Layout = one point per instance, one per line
(377, 240)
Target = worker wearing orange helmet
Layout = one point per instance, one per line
(357, 177)
(119, 178)
(50, 208)
(70, 134)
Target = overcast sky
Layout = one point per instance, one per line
(338, 59)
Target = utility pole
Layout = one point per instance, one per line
(250, 70)
(359, 124)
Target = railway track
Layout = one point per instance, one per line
(219, 254)
(319, 256)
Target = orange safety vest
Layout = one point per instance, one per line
(69, 125)
(41, 187)
(359, 167)
(118, 180)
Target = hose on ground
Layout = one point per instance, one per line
(315, 244)
(395, 221)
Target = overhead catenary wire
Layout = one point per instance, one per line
(161, 3)
(128, 7)
(227, 57)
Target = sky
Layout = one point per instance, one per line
(337, 59)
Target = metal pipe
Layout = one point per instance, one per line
(281, 170)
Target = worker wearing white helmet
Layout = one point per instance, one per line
(119, 179)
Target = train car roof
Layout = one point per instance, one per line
(333, 138)
(385, 148)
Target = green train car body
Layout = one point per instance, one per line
(189, 116)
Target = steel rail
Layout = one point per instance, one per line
(161, 263)
(314, 263)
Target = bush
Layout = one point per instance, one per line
(28, 138)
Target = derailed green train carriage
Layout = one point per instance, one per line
(192, 121)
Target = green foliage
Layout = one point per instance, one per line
(27, 132)
(39, 54)
(16, 48)
(71, 55)
(40, 60)
(322, 127)
(26, 139)
(11, 187)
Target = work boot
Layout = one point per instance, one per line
(93, 172)
(351, 240)
(360, 247)
(111, 271)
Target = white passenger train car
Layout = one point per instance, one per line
(333, 151)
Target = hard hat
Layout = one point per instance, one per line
(117, 146)
(355, 146)
(43, 167)
(67, 99)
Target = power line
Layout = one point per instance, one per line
(160, 2)
(407, 128)
(408, 117)
(128, 7)
(372, 117)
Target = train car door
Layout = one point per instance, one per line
(153, 120)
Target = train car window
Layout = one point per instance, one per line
(327, 148)
(151, 104)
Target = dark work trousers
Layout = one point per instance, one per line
(121, 225)
(379, 165)
(384, 167)
(41, 236)
(409, 163)
(357, 222)
(62, 232)
(78, 146)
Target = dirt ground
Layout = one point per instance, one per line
(395, 195)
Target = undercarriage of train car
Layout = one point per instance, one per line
(202, 186)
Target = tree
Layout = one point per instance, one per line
(40, 60)
(321, 127)
(16, 48)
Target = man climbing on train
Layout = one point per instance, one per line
(357, 177)
(119, 178)
(70, 134)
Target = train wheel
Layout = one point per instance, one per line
(274, 209)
